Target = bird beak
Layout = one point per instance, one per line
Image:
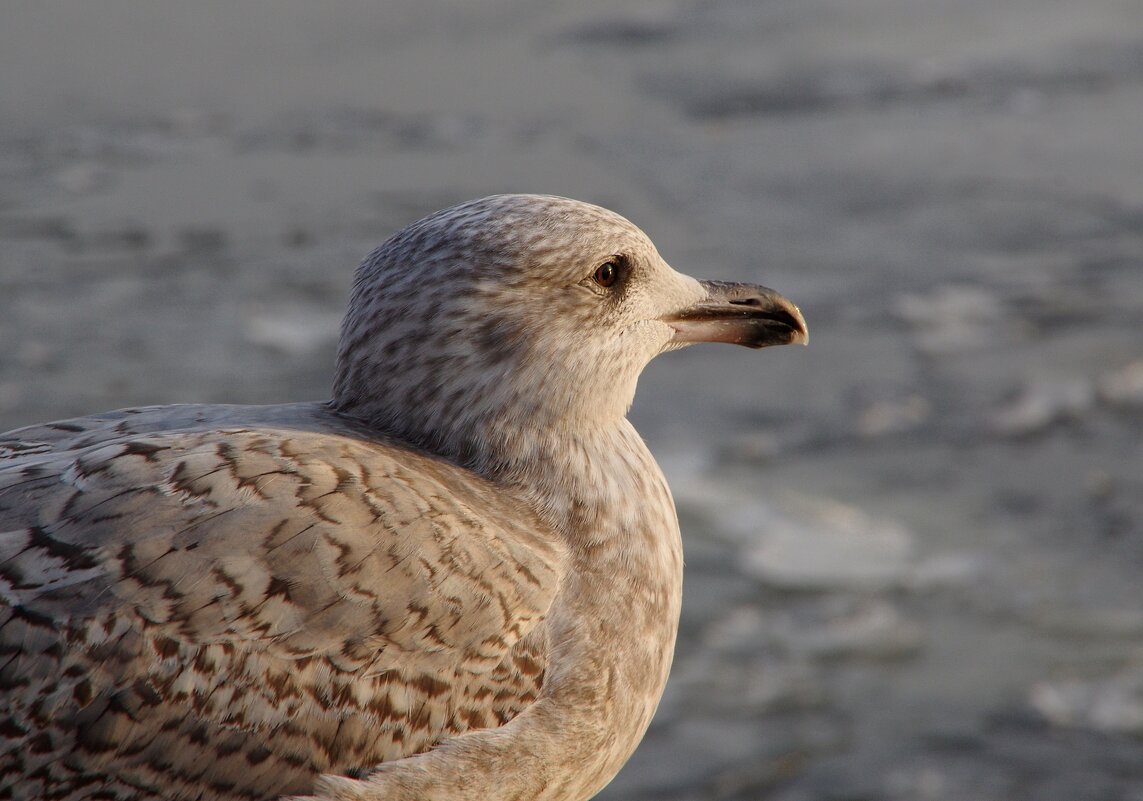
(741, 314)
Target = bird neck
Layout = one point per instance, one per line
(589, 481)
(615, 624)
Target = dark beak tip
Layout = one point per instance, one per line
(742, 314)
(800, 333)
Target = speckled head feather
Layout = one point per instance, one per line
(485, 319)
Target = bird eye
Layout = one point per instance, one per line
(606, 274)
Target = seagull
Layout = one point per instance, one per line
(458, 579)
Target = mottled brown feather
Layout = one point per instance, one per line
(130, 645)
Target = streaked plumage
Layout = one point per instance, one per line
(459, 579)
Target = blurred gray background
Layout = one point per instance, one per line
(914, 548)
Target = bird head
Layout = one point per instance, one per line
(514, 314)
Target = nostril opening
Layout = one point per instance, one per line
(747, 301)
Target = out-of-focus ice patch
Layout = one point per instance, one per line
(1123, 387)
(758, 446)
(1041, 404)
(301, 332)
(846, 626)
(685, 468)
(827, 545)
(951, 569)
(83, 177)
(813, 543)
(952, 318)
(1112, 704)
(733, 514)
(743, 628)
(893, 416)
(1083, 623)
(735, 673)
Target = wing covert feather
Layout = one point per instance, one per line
(251, 576)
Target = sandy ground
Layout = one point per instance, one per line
(914, 548)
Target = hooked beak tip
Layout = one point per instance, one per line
(740, 314)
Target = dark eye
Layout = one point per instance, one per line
(606, 274)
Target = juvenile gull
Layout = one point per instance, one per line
(458, 580)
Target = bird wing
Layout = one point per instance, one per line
(357, 598)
